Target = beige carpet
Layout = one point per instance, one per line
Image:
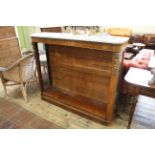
(59, 116)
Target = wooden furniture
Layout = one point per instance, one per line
(137, 83)
(83, 72)
(122, 32)
(147, 39)
(13, 67)
(150, 41)
(51, 29)
(42, 53)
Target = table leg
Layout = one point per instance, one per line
(127, 100)
(132, 110)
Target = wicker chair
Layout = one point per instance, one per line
(20, 72)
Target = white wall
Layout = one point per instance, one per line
(143, 29)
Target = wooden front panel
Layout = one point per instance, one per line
(82, 58)
(81, 83)
(81, 71)
(7, 32)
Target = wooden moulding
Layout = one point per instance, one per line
(76, 103)
(82, 44)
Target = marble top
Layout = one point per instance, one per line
(138, 76)
(101, 38)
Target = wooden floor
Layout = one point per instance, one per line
(13, 116)
(145, 112)
(38, 109)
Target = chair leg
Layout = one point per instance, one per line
(4, 86)
(35, 77)
(24, 92)
(44, 69)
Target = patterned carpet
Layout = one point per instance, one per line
(144, 115)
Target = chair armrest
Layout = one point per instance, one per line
(16, 63)
(27, 53)
(3, 69)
